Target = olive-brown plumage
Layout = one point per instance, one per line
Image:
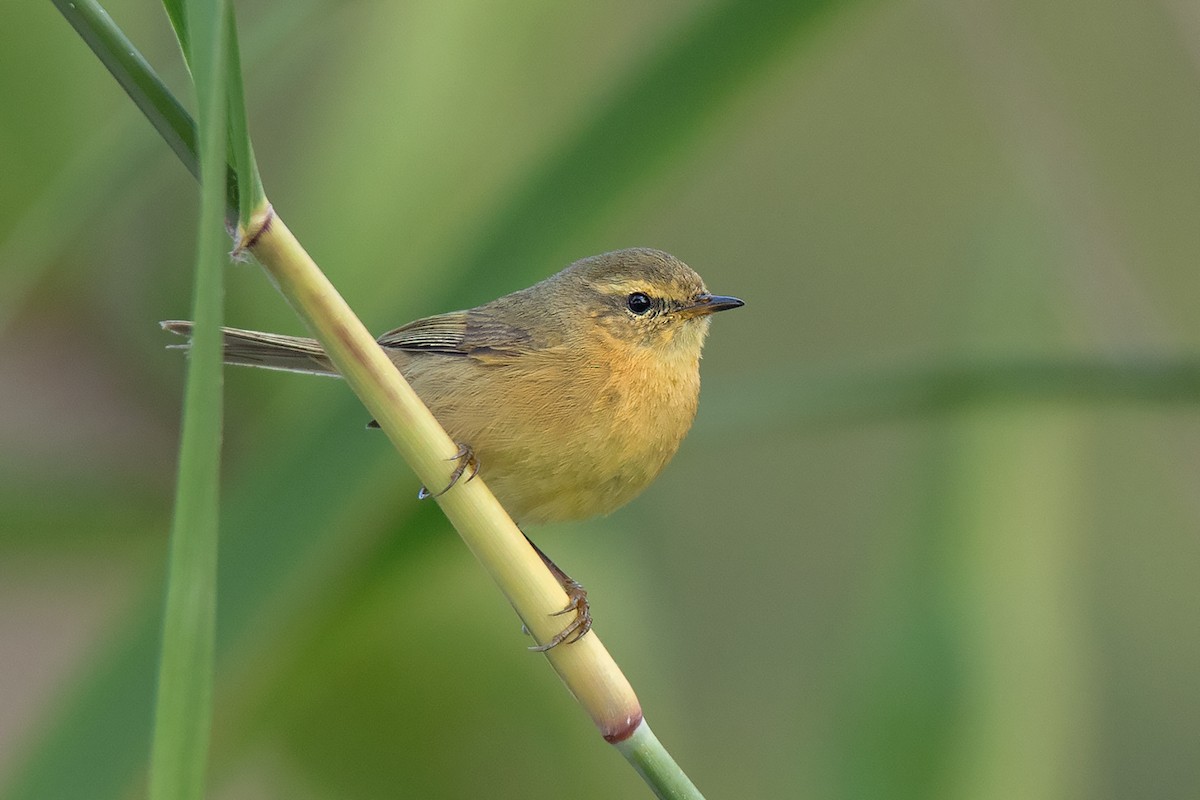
(573, 393)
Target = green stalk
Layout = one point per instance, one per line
(183, 713)
(657, 768)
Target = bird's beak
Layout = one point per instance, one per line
(705, 304)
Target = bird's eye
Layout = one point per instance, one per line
(639, 303)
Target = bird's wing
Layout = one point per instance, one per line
(461, 333)
(444, 333)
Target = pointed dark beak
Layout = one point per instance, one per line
(709, 304)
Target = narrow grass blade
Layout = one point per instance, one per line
(177, 14)
(241, 152)
(183, 714)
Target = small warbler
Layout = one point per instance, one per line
(571, 395)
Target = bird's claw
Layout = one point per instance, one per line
(466, 460)
(578, 627)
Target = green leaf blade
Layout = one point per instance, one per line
(183, 714)
(250, 194)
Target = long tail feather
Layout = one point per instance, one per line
(265, 350)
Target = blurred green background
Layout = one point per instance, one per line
(934, 534)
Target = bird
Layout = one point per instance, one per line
(570, 396)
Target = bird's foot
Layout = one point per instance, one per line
(577, 603)
(466, 460)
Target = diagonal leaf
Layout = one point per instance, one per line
(136, 76)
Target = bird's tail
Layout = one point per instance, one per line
(264, 350)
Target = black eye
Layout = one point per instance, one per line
(639, 303)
